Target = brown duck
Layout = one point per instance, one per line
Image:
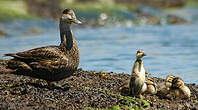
(51, 63)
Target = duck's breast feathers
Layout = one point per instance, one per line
(41, 53)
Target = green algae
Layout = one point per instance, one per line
(14, 9)
(96, 6)
(191, 3)
(87, 88)
(128, 103)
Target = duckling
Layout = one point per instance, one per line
(169, 79)
(179, 89)
(51, 63)
(137, 81)
(124, 88)
(164, 87)
(151, 86)
(144, 88)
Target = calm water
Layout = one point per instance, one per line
(171, 49)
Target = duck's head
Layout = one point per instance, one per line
(150, 81)
(177, 82)
(169, 80)
(68, 16)
(140, 54)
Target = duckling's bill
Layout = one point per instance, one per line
(76, 21)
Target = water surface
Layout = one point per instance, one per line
(171, 49)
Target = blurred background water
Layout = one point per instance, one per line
(171, 49)
(109, 43)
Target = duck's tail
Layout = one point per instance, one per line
(3, 67)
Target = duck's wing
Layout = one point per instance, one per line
(37, 54)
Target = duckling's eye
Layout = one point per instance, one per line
(138, 53)
(70, 19)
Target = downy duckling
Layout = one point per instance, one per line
(124, 88)
(137, 81)
(144, 88)
(164, 87)
(179, 89)
(151, 86)
(169, 80)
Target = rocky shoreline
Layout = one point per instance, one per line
(86, 90)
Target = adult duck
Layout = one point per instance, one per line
(51, 63)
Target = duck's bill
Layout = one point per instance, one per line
(144, 54)
(77, 21)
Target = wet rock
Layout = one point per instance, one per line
(50, 9)
(3, 33)
(175, 19)
(148, 15)
(156, 3)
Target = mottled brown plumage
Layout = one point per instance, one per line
(164, 87)
(151, 86)
(51, 63)
(179, 89)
